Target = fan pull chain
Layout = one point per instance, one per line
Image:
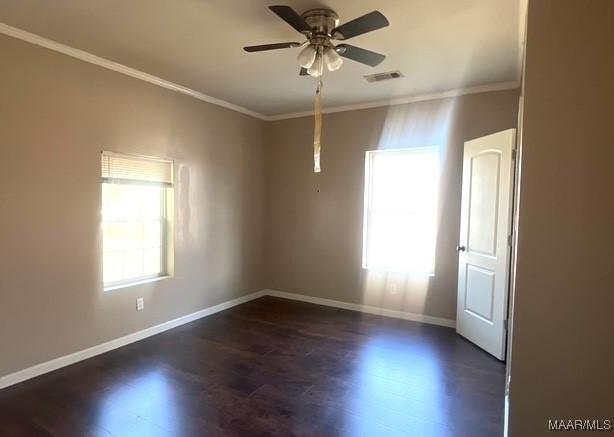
(317, 127)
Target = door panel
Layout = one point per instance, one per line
(483, 202)
(479, 292)
(483, 270)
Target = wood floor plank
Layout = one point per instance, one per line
(271, 367)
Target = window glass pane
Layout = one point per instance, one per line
(404, 181)
(401, 217)
(113, 237)
(151, 261)
(152, 234)
(133, 263)
(122, 201)
(401, 242)
(132, 217)
(150, 205)
(112, 270)
(133, 235)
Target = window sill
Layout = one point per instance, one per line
(138, 282)
(415, 273)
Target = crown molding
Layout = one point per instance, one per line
(498, 86)
(120, 68)
(132, 72)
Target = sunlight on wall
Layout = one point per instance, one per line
(418, 126)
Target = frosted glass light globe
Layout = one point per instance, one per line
(307, 56)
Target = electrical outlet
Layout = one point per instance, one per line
(140, 304)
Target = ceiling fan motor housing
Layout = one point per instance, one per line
(322, 22)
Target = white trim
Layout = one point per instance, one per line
(132, 72)
(364, 308)
(120, 68)
(66, 360)
(498, 86)
(135, 282)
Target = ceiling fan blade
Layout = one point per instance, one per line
(290, 16)
(367, 23)
(360, 55)
(275, 46)
(303, 72)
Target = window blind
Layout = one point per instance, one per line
(135, 169)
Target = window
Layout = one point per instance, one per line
(400, 223)
(135, 221)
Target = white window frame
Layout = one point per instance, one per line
(165, 228)
(367, 209)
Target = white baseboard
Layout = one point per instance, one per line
(364, 308)
(66, 360)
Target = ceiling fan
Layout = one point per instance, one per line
(320, 27)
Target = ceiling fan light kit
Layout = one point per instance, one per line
(316, 69)
(320, 27)
(332, 59)
(307, 56)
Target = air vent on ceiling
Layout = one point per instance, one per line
(378, 77)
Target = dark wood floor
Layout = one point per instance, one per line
(271, 367)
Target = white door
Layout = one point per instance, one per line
(484, 247)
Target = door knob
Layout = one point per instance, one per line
(460, 248)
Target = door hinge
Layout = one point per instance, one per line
(505, 324)
(510, 238)
(513, 154)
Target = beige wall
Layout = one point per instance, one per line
(314, 226)
(56, 115)
(562, 362)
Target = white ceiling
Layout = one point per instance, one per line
(439, 45)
